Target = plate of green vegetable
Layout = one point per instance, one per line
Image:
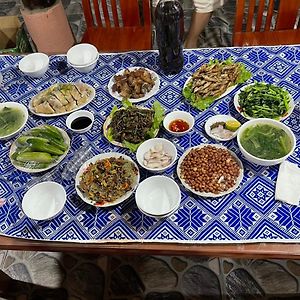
(264, 100)
(13, 117)
(130, 125)
(39, 149)
(213, 81)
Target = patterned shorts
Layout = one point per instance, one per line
(202, 6)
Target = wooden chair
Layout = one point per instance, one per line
(123, 28)
(261, 25)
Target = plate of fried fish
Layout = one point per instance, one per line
(61, 98)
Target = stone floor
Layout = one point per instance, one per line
(60, 276)
(47, 276)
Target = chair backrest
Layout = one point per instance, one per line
(253, 17)
(121, 13)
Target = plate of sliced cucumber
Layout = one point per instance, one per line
(39, 149)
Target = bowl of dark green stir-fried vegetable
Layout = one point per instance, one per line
(263, 100)
(131, 125)
(265, 141)
(13, 117)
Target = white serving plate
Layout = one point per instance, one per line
(28, 170)
(107, 123)
(91, 97)
(230, 89)
(93, 160)
(148, 95)
(211, 195)
(215, 119)
(238, 109)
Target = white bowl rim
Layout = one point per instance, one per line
(26, 57)
(24, 110)
(216, 117)
(160, 216)
(262, 120)
(161, 177)
(163, 140)
(83, 66)
(171, 117)
(77, 113)
(63, 202)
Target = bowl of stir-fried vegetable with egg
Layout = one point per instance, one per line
(107, 179)
(266, 142)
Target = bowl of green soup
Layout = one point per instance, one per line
(266, 142)
(13, 117)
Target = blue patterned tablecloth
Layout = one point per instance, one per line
(249, 214)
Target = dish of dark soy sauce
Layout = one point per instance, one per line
(81, 123)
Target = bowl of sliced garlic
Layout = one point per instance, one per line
(156, 155)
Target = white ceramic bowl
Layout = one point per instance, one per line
(260, 161)
(34, 65)
(82, 55)
(24, 111)
(178, 115)
(75, 116)
(44, 200)
(158, 196)
(215, 119)
(86, 68)
(168, 147)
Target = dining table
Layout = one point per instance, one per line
(247, 223)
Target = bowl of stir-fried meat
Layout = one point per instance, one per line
(61, 98)
(135, 84)
(107, 179)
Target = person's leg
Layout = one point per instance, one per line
(201, 17)
(198, 23)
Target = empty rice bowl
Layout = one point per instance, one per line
(44, 200)
(158, 196)
(82, 55)
(34, 65)
(156, 155)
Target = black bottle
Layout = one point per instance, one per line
(169, 23)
